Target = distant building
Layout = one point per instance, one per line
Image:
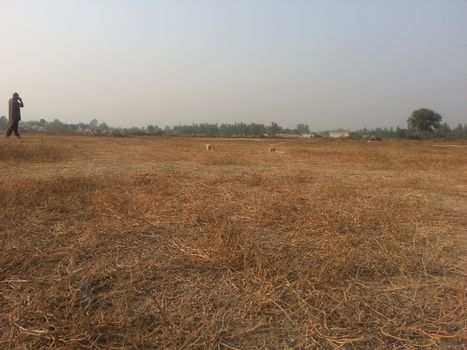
(337, 134)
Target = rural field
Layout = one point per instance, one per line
(157, 243)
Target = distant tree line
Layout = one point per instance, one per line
(202, 129)
(443, 132)
(422, 124)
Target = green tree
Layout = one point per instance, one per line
(56, 126)
(93, 124)
(3, 122)
(153, 129)
(274, 129)
(303, 129)
(443, 131)
(103, 127)
(424, 121)
(458, 131)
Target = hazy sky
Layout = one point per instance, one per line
(331, 64)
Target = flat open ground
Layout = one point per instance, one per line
(146, 243)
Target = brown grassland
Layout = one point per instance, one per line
(153, 242)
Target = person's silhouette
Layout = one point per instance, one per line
(15, 104)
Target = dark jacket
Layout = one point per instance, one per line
(15, 106)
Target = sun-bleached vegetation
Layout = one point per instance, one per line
(148, 243)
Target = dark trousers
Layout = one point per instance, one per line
(13, 128)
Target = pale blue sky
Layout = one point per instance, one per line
(331, 64)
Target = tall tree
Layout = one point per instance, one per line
(424, 121)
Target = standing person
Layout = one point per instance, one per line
(15, 104)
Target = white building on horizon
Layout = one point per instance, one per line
(337, 134)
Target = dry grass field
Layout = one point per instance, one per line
(156, 243)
